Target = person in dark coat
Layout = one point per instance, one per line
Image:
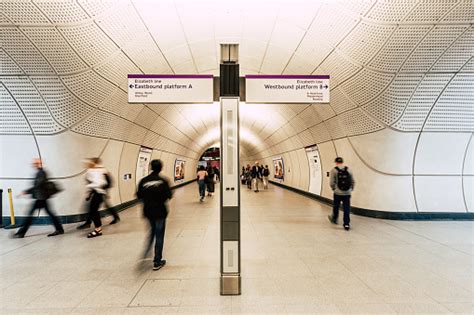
(210, 181)
(40, 193)
(256, 175)
(154, 191)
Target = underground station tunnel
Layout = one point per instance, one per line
(236, 157)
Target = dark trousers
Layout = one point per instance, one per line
(96, 200)
(202, 188)
(111, 210)
(40, 204)
(157, 234)
(346, 205)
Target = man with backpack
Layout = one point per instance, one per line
(154, 191)
(41, 191)
(342, 183)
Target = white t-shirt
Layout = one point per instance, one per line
(95, 178)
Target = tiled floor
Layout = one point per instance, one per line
(293, 261)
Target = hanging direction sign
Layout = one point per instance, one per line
(287, 89)
(159, 88)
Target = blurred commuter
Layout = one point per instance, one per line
(265, 173)
(96, 180)
(210, 181)
(154, 191)
(106, 187)
(248, 176)
(218, 173)
(342, 183)
(41, 191)
(201, 179)
(242, 176)
(256, 175)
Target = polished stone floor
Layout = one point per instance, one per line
(293, 261)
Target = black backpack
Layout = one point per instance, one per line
(108, 179)
(344, 179)
(266, 172)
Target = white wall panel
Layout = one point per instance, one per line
(441, 153)
(327, 156)
(374, 190)
(111, 160)
(386, 150)
(468, 185)
(304, 169)
(16, 154)
(296, 169)
(67, 159)
(469, 159)
(289, 169)
(439, 194)
(168, 166)
(128, 165)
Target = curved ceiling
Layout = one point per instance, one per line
(392, 65)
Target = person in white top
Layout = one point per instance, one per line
(95, 183)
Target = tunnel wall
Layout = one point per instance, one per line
(401, 114)
(393, 172)
(63, 156)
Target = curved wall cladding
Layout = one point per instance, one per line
(401, 114)
(401, 111)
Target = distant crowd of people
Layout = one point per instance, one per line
(251, 176)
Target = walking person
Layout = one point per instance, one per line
(201, 179)
(218, 173)
(265, 173)
(41, 191)
(342, 183)
(96, 181)
(106, 187)
(248, 176)
(154, 191)
(256, 175)
(210, 181)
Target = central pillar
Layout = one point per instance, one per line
(230, 181)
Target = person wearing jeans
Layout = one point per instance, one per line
(342, 183)
(154, 191)
(201, 179)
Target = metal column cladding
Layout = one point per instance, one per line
(230, 183)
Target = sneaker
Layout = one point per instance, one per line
(347, 227)
(331, 219)
(57, 232)
(159, 265)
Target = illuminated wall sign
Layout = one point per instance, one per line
(164, 88)
(287, 89)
